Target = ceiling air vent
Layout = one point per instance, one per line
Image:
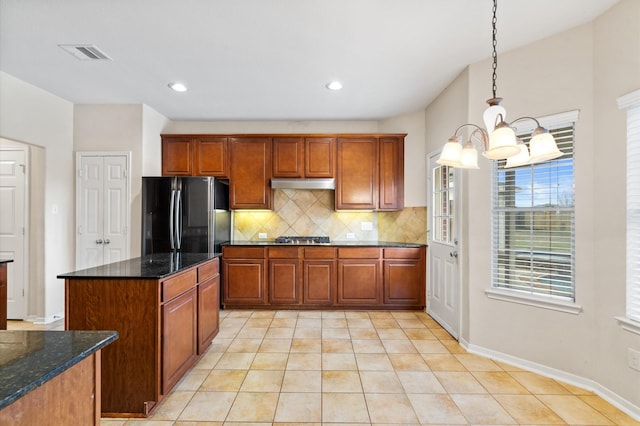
(85, 52)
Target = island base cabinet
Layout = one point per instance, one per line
(208, 310)
(71, 398)
(179, 325)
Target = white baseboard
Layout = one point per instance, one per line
(563, 376)
(48, 319)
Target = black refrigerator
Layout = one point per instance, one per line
(185, 215)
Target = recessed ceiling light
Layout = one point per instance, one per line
(334, 85)
(178, 87)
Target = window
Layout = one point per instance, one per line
(632, 103)
(443, 217)
(533, 223)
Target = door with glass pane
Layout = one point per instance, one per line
(443, 287)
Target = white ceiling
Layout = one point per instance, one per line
(269, 59)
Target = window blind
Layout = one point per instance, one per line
(633, 213)
(533, 223)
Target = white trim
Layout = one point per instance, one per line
(629, 100)
(560, 375)
(533, 300)
(629, 325)
(549, 121)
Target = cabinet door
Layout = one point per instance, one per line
(288, 157)
(359, 282)
(177, 156)
(210, 157)
(179, 337)
(357, 176)
(249, 186)
(284, 281)
(391, 184)
(319, 159)
(319, 282)
(244, 282)
(208, 311)
(404, 283)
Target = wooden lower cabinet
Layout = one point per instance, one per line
(179, 337)
(359, 282)
(244, 275)
(319, 276)
(208, 310)
(404, 276)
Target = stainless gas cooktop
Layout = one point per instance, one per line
(302, 240)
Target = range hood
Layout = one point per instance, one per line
(286, 183)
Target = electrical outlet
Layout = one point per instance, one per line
(351, 236)
(634, 359)
(262, 235)
(366, 226)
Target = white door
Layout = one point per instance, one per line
(13, 213)
(444, 285)
(102, 209)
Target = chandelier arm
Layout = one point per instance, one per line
(484, 136)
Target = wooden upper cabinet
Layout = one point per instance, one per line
(288, 157)
(177, 156)
(194, 155)
(319, 159)
(210, 157)
(391, 183)
(357, 176)
(250, 173)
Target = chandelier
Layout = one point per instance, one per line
(498, 138)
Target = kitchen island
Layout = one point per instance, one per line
(51, 377)
(335, 275)
(3, 292)
(165, 308)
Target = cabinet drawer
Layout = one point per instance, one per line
(179, 284)
(208, 270)
(235, 252)
(284, 252)
(358, 253)
(320, 253)
(403, 253)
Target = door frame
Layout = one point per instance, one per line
(461, 242)
(79, 156)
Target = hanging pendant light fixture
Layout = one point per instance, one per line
(498, 138)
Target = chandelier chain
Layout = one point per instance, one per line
(495, 43)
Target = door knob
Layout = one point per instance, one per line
(454, 254)
(106, 241)
(98, 241)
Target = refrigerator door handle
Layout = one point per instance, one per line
(171, 219)
(178, 225)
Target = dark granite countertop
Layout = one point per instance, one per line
(331, 244)
(5, 261)
(29, 359)
(155, 266)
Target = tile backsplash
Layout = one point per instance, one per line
(311, 212)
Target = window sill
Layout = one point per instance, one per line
(629, 325)
(532, 300)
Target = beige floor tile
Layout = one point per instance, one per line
(399, 346)
(337, 345)
(528, 410)
(258, 323)
(405, 314)
(279, 333)
(299, 408)
(368, 346)
(307, 333)
(306, 345)
(235, 361)
(411, 323)
(356, 315)
(275, 345)
(224, 380)
(436, 409)
(392, 334)
(344, 407)
(408, 362)
(192, 380)
(430, 323)
(284, 322)
(263, 314)
(262, 381)
(380, 382)
(179, 423)
(420, 382)
(254, 407)
(334, 314)
(147, 422)
(419, 334)
(380, 315)
(364, 334)
(244, 345)
(453, 346)
(219, 344)
(252, 332)
(285, 314)
(309, 323)
(430, 347)
(270, 361)
(359, 323)
(442, 362)
(171, 407)
(482, 409)
(477, 363)
(335, 333)
(302, 381)
(613, 413)
(442, 334)
(508, 367)
(208, 406)
(459, 382)
(309, 314)
(339, 361)
(341, 381)
(390, 408)
(373, 362)
(381, 323)
(499, 382)
(573, 410)
(303, 361)
(575, 390)
(538, 384)
(334, 323)
(208, 360)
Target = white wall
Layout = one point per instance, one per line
(31, 115)
(585, 68)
